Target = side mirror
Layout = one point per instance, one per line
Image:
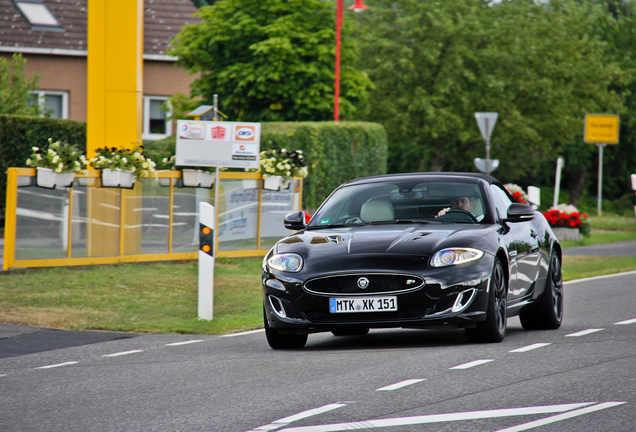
(295, 220)
(518, 212)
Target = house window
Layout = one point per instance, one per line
(157, 112)
(52, 103)
(38, 15)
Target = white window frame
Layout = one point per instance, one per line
(146, 118)
(41, 94)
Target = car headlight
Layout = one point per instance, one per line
(287, 262)
(454, 256)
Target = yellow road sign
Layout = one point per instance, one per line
(601, 129)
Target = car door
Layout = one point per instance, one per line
(522, 244)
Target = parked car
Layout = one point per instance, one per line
(399, 251)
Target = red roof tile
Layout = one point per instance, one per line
(162, 21)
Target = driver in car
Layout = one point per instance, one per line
(463, 203)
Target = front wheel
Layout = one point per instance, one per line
(493, 328)
(548, 314)
(277, 340)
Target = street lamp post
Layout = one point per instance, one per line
(358, 6)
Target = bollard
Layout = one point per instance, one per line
(206, 261)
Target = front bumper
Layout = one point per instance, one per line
(456, 297)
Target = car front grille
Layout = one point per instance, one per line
(352, 284)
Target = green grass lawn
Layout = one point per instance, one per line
(162, 298)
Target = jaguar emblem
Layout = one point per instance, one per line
(363, 283)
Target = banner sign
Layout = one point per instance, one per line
(218, 144)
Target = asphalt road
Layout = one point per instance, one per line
(581, 377)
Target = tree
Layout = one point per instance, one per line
(15, 88)
(436, 63)
(270, 60)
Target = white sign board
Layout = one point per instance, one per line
(218, 144)
(481, 164)
(486, 122)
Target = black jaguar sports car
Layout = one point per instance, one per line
(413, 251)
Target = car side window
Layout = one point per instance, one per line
(502, 202)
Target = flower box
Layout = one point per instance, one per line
(275, 183)
(118, 178)
(564, 234)
(197, 178)
(47, 178)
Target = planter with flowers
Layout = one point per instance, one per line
(56, 164)
(567, 222)
(278, 167)
(199, 177)
(517, 193)
(121, 167)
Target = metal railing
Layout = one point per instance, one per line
(157, 220)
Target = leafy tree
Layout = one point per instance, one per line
(15, 88)
(436, 63)
(270, 60)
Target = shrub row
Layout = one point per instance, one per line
(19, 133)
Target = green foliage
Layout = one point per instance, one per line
(334, 152)
(435, 64)
(58, 156)
(270, 60)
(18, 134)
(15, 88)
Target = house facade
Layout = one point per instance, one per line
(52, 36)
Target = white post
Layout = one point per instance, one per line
(600, 178)
(206, 261)
(633, 177)
(557, 182)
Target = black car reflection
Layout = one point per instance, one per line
(398, 251)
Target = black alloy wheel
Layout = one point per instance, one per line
(548, 315)
(278, 340)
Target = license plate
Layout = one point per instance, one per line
(362, 304)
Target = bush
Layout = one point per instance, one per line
(18, 134)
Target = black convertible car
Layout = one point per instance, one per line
(413, 251)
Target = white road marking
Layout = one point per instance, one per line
(123, 353)
(302, 415)
(584, 332)
(560, 417)
(243, 333)
(529, 347)
(57, 365)
(472, 364)
(631, 321)
(184, 343)
(400, 385)
(438, 418)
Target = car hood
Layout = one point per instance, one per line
(411, 239)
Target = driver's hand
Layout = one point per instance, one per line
(442, 212)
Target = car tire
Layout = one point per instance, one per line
(277, 340)
(548, 314)
(355, 331)
(493, 328)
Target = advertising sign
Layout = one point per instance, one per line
(601, 129)
(218, 144)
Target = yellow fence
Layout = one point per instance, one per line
(157, 220)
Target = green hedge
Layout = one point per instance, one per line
(19, 133)
(335, 152)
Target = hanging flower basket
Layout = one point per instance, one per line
(48, 178)
(118, 178)
(275, 183)
(197, 178)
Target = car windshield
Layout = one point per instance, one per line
(402, 202)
